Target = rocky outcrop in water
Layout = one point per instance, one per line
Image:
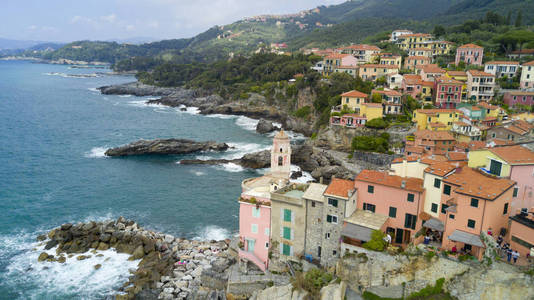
(265, 126)
(165, 146)
(169, 267)
(136, 89)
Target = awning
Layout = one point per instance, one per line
(466, 238)
(434, 224)
(356, 232)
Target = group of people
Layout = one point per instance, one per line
(505, 247)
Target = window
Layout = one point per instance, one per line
(254, 228)
(474, 202)
(410, 221)
(332, 202)
(451, 216)
(522, 242)
(255, 212)
(411, 197)
(313, 203)
(280, 161)
(392, 212)
(516, 190)
(444, 208)
(327, 236)
(287, 233)
(446, 189)
(505, 211)
(334, 252)
(369, 207)
(267, 231)
(286, 249)
(267, 245)
(434, 208)
(370, 189)
(331, 219)
(287, 215)
(495, 167)
(471, 223)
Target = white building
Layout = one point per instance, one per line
(502, 68)
(396, 33)
(480, 85)
(527, 76)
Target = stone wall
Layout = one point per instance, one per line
(314, 227)
(376, 159)
(331, 244)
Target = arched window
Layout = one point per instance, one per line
(280, 161)
(280, 150)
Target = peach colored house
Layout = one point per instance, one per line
(399, 198)
(374, 71)
(335, 60)
(471, 203)
(433, 142)
(412, 62)
(255, 204)
(470, 54)
(431, 72)
(521, 233)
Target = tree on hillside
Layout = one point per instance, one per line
(439, 31)
(509, 40)
(519, 19)
(509, 18)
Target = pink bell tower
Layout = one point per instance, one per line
(281, 155)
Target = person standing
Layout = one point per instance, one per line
(499, 240)
(515, 255)
(509, 254)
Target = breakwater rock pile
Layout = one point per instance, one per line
(165, 146)
(168, 268)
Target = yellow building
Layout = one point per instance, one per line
(435, 119)
(390, 59)
(371, 110)
(488, 159)
(492, 111)
(441, 47)
(353, 100)
(416, 40)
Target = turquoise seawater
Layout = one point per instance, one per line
(54, 129)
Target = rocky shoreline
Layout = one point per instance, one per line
(165, 146)
(168, 268)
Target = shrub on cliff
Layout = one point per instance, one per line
(312, 281)
(377, 124)
(370, 143)
(302, 112)
(377, 242)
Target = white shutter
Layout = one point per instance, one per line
(291, 250)
(291, 231)
(281, 215)
(292, 217)
(281, 231)
(281, 248)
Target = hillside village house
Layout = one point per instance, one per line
(351, 70)
(401, 199)
(420, 52)
(513, 131)
(521, 53)
(374, 71)
(415, 40)
(521, 233)
(353, 100)
(394, 81)
(464, 131)
(513, 98)
(412, 85)
(500, 69)
(462, 77)
(332, 61)
(472, 203)
(390, 59)
(513, 162)
(255, 204)
(470, 54)
(397, 33)
(431, 72)
(441, 47)
(447, 92)
(527, 76)
(362, 111)
(391, 100)
(433, 142)
(480, 86)
(424, 118)
(412, 62)
(363, 53)
(315, 203)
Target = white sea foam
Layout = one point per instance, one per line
(247, 123)
(125, 96)
(96, 152)
(240, 149)
(94, 90)
(231, 167)
(192, 110)
(212, 233)
(305, 178)
(46, 280)
(198, 173)
(65, 75)
(221, 116)
(203, 157)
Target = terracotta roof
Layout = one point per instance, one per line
(514, 155)
(470, 46)
(473, 183)
(462, 123)
(475, 108)
(436, 110)
(480, 73)
(432, 159)
(432, 68)
(416, 35)
(428, 83)
(515, 129)
(412, 79)
(437, 125)
(487, 105)
(500, 142)
(530, 63)
(383, 178)
(354, 116)
(502, 62)
(457, 73)
(337, 56)
(379, 66)
(339, 187)
(408, 158)
(446, 80)
(354, 93)
(523, 125)
(415, 57)
(434, 135)
(387, 93)
(523, 51)
(457, 156)
(414, 149)
(440, 168)
(347, 67)
(362, 47)
(373, 104)
(488, 119)
(520, 93)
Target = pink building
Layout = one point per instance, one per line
(518, 97)
(349, 120)
(255, 204)
(470, 54)
(447, 92)
(521, 233)
(472, 203)
(401, 199)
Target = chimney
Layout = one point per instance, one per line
(403, 184)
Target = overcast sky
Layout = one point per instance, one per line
(69, 20)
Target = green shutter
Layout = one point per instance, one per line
(437, 183)
(495, 167)
(515, 191)
(446, 189)
(287, 215)
(287, 233)
(410, 197)
(392, 212)
(434, 207)
(286, 249)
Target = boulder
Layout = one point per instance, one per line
(105, 237)
(103, 246)
(41, 237)
(83, 257)
(66, 226)
(265, 126)
(43, 256)
(165, 146)
(98, 266)
(51, 244)
(138, 253)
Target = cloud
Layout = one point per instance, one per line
(110, 18)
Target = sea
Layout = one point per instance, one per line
(54, 129)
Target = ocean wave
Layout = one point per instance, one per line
(144, 103)
(231, 167)
(96, 152)
(305, 178)
(65, 75)
(94, 90)
(240, 149)
(74, 278)
(247, 123)
(212, 232)
(198, 173)
(190, 110)
(221, 116)
(125, 96)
